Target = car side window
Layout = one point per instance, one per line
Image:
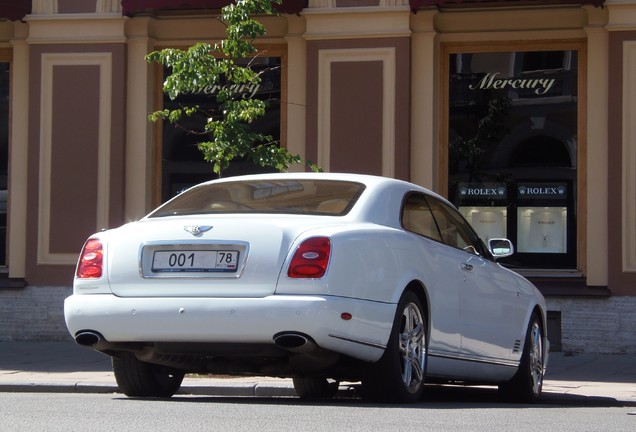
(453, 227)
(417, 217)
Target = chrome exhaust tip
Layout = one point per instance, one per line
(88, 338)
(294, 341)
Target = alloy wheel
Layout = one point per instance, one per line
(412, 347)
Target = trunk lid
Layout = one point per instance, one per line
(226, 256)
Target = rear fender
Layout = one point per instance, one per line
(368, 263)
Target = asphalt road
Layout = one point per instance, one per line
(53, 412)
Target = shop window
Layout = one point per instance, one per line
(543, 60)
(4, 157)
(182, 163)
(541, 151)
(512, 151)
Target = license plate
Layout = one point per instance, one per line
(181, 261)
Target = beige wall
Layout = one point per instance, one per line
(357, 103)
(48, 52)
(75, 154)
(358, 91)
(18, 153)
(621, 189)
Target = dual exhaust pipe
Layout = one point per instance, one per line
(289, 341)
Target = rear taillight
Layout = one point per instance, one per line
(311, 258)
(91, 260)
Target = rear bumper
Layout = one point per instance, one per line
(235, 320)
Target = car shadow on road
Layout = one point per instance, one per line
(435, 396)
(491, 396)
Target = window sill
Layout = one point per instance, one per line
(568, 287)
(11, 283)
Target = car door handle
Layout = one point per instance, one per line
(466, 267)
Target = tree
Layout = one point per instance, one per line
(227, 67)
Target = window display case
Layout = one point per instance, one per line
(542, 229)
(538, 217)
(545, 224)
(488, 222)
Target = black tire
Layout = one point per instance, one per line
(315, 388)
(140, 379)
(526, 385)
(400, 374)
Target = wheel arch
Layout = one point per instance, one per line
(542, 315)
(419, 289)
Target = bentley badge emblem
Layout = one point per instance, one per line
(196, 230)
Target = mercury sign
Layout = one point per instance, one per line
(540, 85)
(247, 91)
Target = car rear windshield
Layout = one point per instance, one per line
(316, 197)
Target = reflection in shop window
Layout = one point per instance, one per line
(182, 162)
(512, 143)
(534, 61)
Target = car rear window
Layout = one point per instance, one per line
(289, 196)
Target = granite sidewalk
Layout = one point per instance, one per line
(67, 367)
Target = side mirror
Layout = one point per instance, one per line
(500, 247)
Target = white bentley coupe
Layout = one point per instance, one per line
(315, 276)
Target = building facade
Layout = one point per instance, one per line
(520, 112)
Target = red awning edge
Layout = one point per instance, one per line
(14, 10)
(424, 4)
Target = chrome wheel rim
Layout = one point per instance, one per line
(536, 359)
(412, 347)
